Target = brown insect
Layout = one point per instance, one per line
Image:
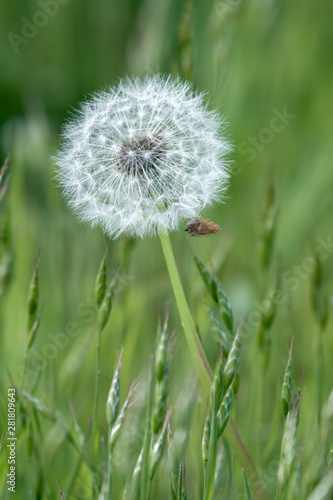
(201, 227)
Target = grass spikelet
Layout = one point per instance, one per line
(106, 305)
(177, 449)
(162, 384)
(217, 293)
(6, 255)
(116, 427)
(289, 453)
(320, 306)
(225, 307)
(208, 279)
(217, 385)
(268, 226)
(287, 385)
(132, 490)
(161, 364)
(4, 180)
(33, 296)
(268, 312)
(113, 401)
(156, 449)
(159, 411)
(319, 296)
(222, 338)
(223, 414)
(232, 361)
(205, 439)
(100, 285)
(182, 483)
(115, 418)
(33, 332)
(33, 318)
(247, 488)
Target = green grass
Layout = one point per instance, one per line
(254, 60)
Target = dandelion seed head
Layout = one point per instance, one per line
(143, 156)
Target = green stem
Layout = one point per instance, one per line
(320, 373)
(191, 335)
(144, 481)
(203, 368)
(95, 432)
(109, 492)
(95, 414)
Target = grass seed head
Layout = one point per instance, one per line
(223, 414)
(232, 361)
(320, 300)
(247, 488)
(269, 216)
(206, 439)
(116, 427)
(33, 297)
(159, 411)
(113, 401)
(223, 339)
(4, 180)
(156, 449)
(106, 305)
(100, 286)
(33, 332)
(225, 308)
(289, 452)
(161, 363)
(207, 278)
(217, 385)
(287, 385)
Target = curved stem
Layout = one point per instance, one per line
(191, 335)
(203, 368)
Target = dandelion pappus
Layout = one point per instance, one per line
(201, 227)
(143, 155)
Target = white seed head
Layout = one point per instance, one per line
(142, 156)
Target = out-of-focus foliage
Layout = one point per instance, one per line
(267, 65)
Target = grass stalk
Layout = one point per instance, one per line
(320, 376)
(109, 488)
(95, 410)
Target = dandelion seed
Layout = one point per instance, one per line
(143, 156)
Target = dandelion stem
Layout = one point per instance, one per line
(191, 335)
(203, 368)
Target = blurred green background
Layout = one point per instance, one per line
(255, 59)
